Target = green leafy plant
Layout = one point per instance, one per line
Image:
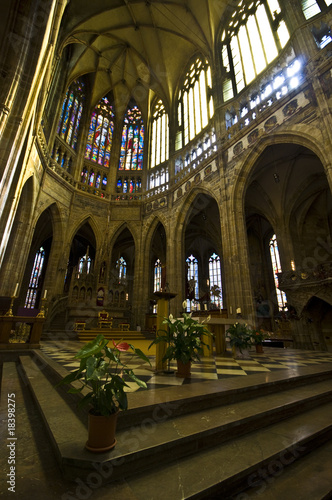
(102, 372)
(240, 336)
(184, 338)
(258, 336)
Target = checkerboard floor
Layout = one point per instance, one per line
(210, 368)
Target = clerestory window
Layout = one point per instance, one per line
(255, 35)
(311, 8)
(195, 102)
(132, 141)
(71, 113)
(159, 135)
(99, 143)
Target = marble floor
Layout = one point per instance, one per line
(38, 471)
(210, 368)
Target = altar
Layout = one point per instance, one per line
(218, 326)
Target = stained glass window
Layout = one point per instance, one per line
(99, 143)
(215, 281)
(195, 102)
(71, 113)
(255, 35)
(276, 266)
(132, 141)
(84, 175)
(192, 282)
(121, 266)
(157, 276)
(34, 283)
(312, 7)
(159, 135)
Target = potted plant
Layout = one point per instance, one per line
(184, 338)
(240, 339)
(257, 337)
(101, 374)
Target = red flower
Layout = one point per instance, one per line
(121, 346)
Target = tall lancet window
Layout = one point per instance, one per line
(71, 113)
(276, 266)
(99, 143)
(157, 276)
(192, 282)
(121, 266)
(157, 280)
(35, 279)
(159, 135)
(84, 265)
(215, 281)
(195, 102)
(255, 35)
(132, 141)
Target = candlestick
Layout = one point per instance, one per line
(41, 313)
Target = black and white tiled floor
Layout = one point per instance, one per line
(210, 368)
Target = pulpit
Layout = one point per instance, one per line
(163, 299)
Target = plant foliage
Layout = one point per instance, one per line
(102, 372)
(184, 338)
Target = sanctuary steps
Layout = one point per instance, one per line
(222, 439)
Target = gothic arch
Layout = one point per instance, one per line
(250, 159)
(186, 205)
(90, 221)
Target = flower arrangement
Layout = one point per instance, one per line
(101, 370)
(240, 336)
(258, 336)
(184, 338)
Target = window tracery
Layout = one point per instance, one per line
(99, 143)
(71, 113)
(255, 35)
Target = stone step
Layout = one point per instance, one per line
(186, 399)
(164, 436)
(311, 477)
(113, 334)
(225, 471)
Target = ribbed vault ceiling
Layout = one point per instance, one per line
(133, 46)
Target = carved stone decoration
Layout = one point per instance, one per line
(238, 148)
(270, 123)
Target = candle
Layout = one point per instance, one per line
(238, 310)
(205, 307)
(45, 293)
(16, 288)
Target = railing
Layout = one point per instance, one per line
(20, 332)
(320, 274)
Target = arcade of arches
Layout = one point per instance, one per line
(100, 235)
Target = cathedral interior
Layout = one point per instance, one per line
(176, 146)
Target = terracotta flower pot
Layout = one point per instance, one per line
(259, 348)
(183, 369)
(101, 432)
